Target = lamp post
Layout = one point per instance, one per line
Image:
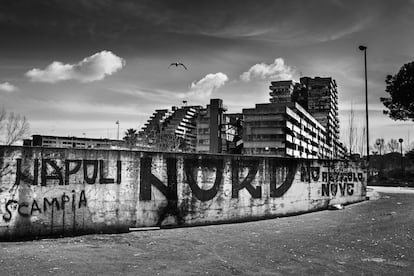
(379, 143)
(117, 134)
(379, 146)
(402, 164)
(364, 49)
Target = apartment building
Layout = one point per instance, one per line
(171, 130)
(319, 97)
(300, 121)
(211, 126)
(281, 91)
(202, 129)
(153, 125)
(322, 103)
(234, 132)
(283, 129)
(72, 142)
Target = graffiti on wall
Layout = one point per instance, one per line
(62, 202)
(55, 195)
(278, 174)
(60, 173)
(51, 172)
(335, 182)
(243, 176)
(278, 185)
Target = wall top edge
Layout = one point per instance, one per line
(29, 148)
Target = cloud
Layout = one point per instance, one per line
(7, 87)
(277, 70)
(206, 86)
(92, 68)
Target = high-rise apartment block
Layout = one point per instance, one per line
(210, 124)
(192, 128)
(322, 103)
(171, 130)
(281, 91)
(300, 121)
(153, 125)
(283, 129)
(319, 97)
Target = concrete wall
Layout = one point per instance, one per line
(47, 191)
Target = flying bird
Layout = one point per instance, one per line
(177, 64)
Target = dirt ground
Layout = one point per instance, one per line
(370, 238)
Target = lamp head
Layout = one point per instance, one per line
(400, 140)
(362, 48)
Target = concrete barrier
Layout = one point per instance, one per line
(55, 191)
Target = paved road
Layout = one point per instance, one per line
(369, 238)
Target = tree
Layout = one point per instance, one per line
(393, 145)
(400, 104)
(379, 145)
(160, 139)
(410, 146)
(13, 127)
(172, 142)
(131, 137)
(410, 156)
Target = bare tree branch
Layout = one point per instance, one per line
(2, 118)
(161, 140)
(13, 127)
(379, 146)
(393, 145)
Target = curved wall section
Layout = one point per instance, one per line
(55, 191)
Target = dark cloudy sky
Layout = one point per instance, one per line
(75, 67)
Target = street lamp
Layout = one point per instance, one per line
(117, 134)
(364, 49)
(379, 146)
(402, 164)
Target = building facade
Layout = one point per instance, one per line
(300, 121)
(72, 142)
(171, 130)
(212, 126)
(322, 104)
(202, 129)
(283, 129)
(319, 97)
(281, 91)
